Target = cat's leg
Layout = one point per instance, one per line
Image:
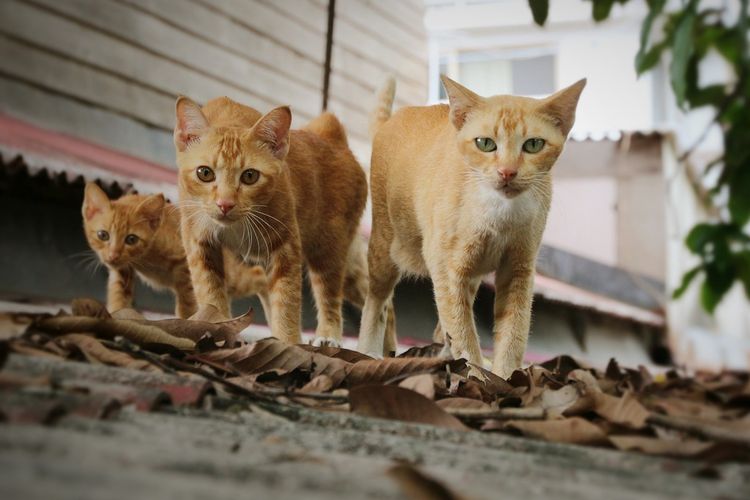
(185, 304)
(206, 263)
(514, 289)
(356, 284)
(285, 292)
(378, 309)
(265, 302)
(454, 295)
(327, 287)
(120, 287)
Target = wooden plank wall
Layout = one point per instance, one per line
(109, 70)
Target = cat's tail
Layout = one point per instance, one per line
(384, 106)
(327, 126)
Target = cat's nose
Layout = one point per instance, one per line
(225, 206)
(507, 174)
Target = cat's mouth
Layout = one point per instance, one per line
(224, 220)
(510, 190)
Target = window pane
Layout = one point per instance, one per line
(534, 76)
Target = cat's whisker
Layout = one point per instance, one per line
(272, 217)
(265, 243)
(260, 219)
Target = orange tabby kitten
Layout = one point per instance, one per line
(460, 191)
(273, 196)
(138, 234)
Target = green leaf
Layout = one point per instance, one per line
(739, 195)
(742, 265)
(718, 281)
(655, 8)
(644, 62)
(601, 9)
(682, 50)
(699, 236)
(539, 9)
(687, 278)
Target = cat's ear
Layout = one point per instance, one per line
(461, 101)
(95, 201)
(561, 106)
(190, 123)
(152, 209)
(273, 130)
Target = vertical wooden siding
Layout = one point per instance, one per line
(109, 70)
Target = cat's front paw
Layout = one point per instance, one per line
(325, 342)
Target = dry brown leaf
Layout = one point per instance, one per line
(108, 328)
(127, 313)
(585, 378)
(226, 331)
(418, 486)
(680, 407)
(423, 384)
(655, 446)
(338, 352)
(426, 351)
(14, 324)
(556, 401)
(321, 383)
(384, 370)
(575, 430)
(270, 354)
(95, 352)
(463, 404)
(89, 307)
(397, 403)
(626, 411)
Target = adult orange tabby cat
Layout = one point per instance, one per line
(458, 192)
(140, 235)
(270, 195)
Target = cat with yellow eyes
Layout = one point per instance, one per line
(139, 235)
(284, 198)
(460, 191)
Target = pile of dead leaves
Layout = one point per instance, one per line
(562, 400)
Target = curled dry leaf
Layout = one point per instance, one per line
(95, 352)
(626, 411)
(194, 330)
(427, 351)
(463, 404)
(321, 383)
(575, 430)
(127, 313)
(397, 403)
(556, 401)
(423, 384)
(109, 328)
(338, 352)
(384, 370)
(269, 354)
(89, 307)
(418, 486)
(14, 324)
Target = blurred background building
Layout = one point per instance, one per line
(87, 90)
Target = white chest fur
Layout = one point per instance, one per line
(499, 224)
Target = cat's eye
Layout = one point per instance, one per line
(533, 145)
(485, 144)
(131, 239)
(102, 235)
(250, 176)
(205, 173)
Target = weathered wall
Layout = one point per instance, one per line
(109, 70)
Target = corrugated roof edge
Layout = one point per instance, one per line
(61, 154)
